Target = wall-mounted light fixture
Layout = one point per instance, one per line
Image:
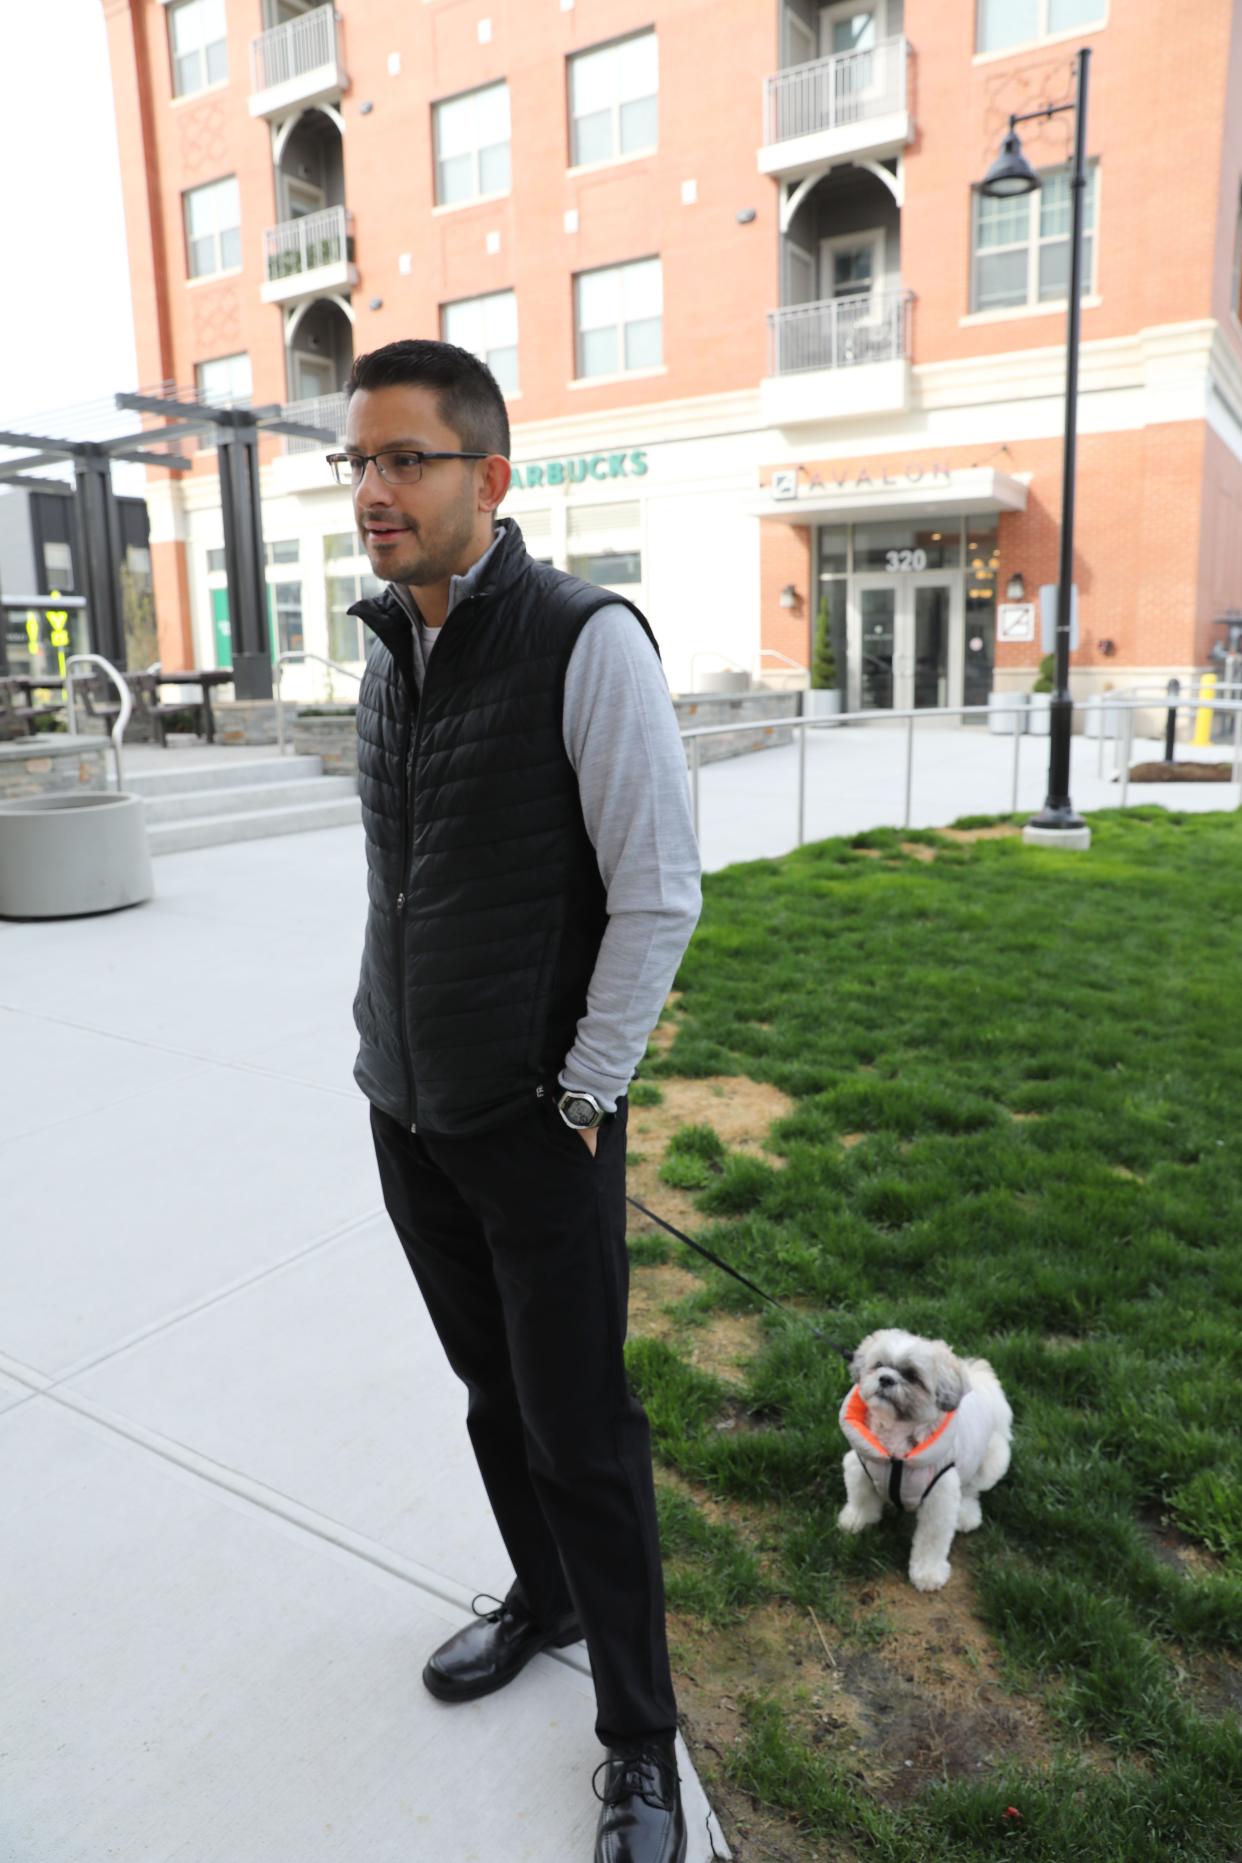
(1107, 647)
(745, 215)
(789, 596)
(1015, 590)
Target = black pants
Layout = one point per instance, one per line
(517, 1241)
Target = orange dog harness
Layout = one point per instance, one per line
(958, 1441)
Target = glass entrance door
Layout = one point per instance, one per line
(901, 648)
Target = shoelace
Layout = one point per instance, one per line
(635, 1776)
(493, 1617)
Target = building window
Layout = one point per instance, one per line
(58, 567)
(196, 44)
(1022, 244)
(472, 145)
(619, 318)
(488, 328)
(222, 383)
(1003, 23)
(613, 99)
(213, 228)
(612, 569)
(284, 597)
(348, 578)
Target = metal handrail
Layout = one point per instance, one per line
(126, 707)
(349, 671)
(693, 733)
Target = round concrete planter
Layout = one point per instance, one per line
(62, 856)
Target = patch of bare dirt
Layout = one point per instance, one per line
(850, 1139)
(997, 832)
(918, 850)
(1022, 1117)
(922, 1702)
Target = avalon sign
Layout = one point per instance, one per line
(576, 471)
(785, 484)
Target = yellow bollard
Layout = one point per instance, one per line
(1203, 719)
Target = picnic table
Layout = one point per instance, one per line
(20, 711)
(206, 677)
(150, 715)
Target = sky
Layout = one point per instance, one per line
(66, 323)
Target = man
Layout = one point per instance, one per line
(533, 882)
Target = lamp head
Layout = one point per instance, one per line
(1010, 173)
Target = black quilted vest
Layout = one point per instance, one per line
(486, 904)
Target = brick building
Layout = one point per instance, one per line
(763, 341)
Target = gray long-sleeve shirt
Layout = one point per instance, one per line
(620, 734)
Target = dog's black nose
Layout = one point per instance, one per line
(887, 1378)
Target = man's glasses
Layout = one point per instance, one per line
(395, 465)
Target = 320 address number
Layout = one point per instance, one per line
(897, 561)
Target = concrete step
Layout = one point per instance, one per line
(244, 798)
(253, 824)
(224, 773)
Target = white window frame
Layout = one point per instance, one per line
(869, 236)
(616, 153)
(1043, 35)
(476, 193)
(828, 14)
(217, 233)
(1032, 245)
(620, 325)
(205, 81)
(484, 306)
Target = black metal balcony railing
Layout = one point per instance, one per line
(831, 93)
(841, 333)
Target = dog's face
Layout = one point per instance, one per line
(909, 1379)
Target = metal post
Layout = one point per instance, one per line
(99, 538)
(694, 782)
(1058, 811)
(1017, 747)
(238, 451)
(1126, 735)
(909, 763)
(801, 728)
(1170, 726)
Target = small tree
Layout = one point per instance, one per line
(823, 660)
(1044, 681)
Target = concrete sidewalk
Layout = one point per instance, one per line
(240, 1505)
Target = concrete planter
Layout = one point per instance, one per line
(821, 702)
(63, 856)
(1100, 719)
(1039, 714)
(1007, 713)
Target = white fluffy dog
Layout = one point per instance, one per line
(929, 1432)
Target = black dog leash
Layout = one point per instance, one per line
(845, 1352)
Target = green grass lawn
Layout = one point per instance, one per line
(1044, 1053)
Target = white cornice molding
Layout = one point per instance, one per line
(1107, 364)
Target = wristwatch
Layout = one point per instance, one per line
(580, 1110)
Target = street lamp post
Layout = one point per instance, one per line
(1010, 174)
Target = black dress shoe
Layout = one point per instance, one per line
(642, 1820)
(489, 1653)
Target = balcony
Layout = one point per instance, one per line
(309, 257)
(838, 359)
(296, 64)
(319, 411)
(851, 107)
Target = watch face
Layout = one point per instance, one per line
(579, 1112)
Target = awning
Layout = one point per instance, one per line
(907, 492)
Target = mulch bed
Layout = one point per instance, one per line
(1181, 773)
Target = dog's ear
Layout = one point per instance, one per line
(858, 1364)
(951, 1384)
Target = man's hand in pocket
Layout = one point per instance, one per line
(590, 1135)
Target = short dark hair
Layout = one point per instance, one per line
(468, 395)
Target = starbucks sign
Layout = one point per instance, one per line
(578, 471)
